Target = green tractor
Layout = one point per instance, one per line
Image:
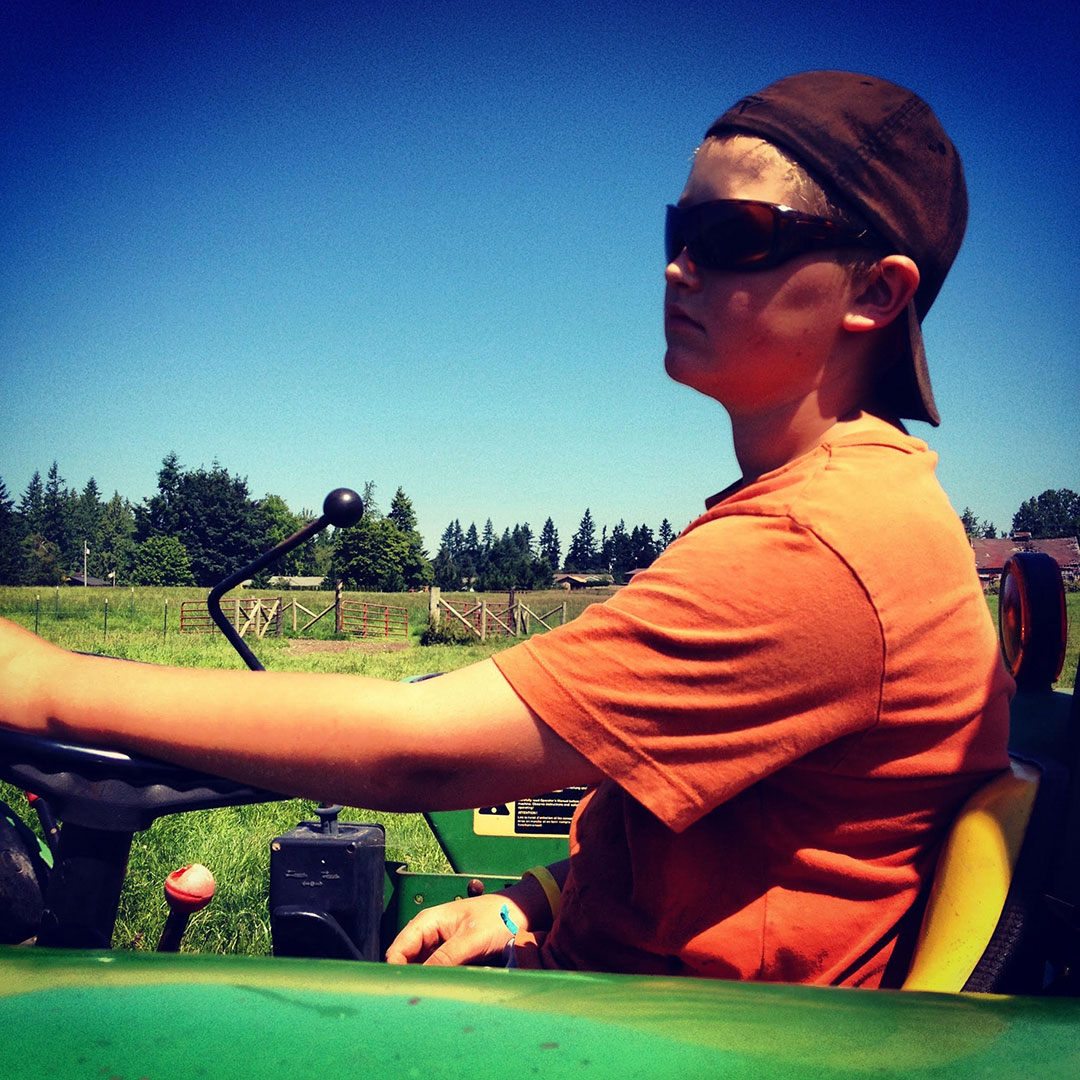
(993, 990)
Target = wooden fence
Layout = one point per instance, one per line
(262, 615)
(257, 614)
(484, 619)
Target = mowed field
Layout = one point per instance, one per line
(144, 624)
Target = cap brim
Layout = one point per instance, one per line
(903, 390)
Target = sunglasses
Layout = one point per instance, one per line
(741, 234)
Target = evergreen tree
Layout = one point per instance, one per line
(975, 528)
(622, 557)
(642, 547)
(582, 554)
(41, 559)
(371, 506)
(11, 536)
(471, 558)
(448, 542)
(32, 506)
(550, 551)
(160, 514)
(40, 556)
(511, 564)
(87, 518)
(58, 522)
(115, 543)
(402, 513)
(445, 572)
(220, 524)
(666, 534)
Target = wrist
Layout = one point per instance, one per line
(536, 903)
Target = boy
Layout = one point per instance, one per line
(780, 717)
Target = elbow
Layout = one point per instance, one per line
(407, 785)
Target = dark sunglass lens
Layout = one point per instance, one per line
(748, 235)
(673, 241)
(722, 235)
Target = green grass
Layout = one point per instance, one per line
(234, 841)
(1072, 646)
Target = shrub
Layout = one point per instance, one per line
(447, 633)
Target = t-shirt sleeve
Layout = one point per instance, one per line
(748, 644)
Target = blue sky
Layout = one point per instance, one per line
(328, 242)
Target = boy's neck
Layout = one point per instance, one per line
(764, 442)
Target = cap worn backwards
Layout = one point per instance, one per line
(878, 149)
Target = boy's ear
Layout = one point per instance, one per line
(882, 293)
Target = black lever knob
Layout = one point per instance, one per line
(343, 507)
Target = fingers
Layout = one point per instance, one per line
(461, 932)
(418, 940)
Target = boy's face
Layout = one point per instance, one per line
(753, 340)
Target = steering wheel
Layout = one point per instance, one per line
(111, 790)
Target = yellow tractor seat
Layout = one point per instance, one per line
(984, 918)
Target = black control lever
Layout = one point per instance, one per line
(341, 508)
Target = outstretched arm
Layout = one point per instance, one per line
(465, 739)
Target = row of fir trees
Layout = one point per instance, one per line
(488, 563)
(202, 524)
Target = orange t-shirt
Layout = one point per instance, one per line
(790, 704)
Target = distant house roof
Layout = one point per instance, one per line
(297, 582)
(580, 581)
(78, 579)
(991, 555)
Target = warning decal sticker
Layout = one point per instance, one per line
(544, 815)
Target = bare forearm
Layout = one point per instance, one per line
(339, 737)
(462, 740)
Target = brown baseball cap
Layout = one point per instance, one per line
(878, 149)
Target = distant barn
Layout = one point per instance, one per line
(78, 579)
(581, 581)
(991, 555)
(281, 582)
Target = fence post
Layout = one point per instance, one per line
(339, 613)
(433, 613)
(165, 626)
(563, 613)
(483, 620)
